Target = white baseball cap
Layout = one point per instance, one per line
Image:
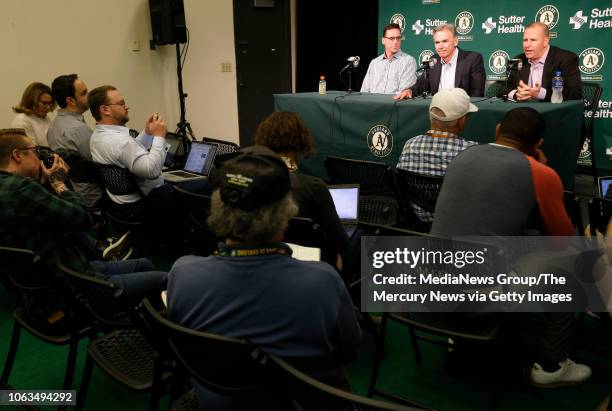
(454, 103)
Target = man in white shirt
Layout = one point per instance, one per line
(111, 143)
(392, 71)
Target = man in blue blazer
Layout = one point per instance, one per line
(453, 67)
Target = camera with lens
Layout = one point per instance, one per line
(45, 154)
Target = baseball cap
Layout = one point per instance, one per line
(257, 176)
(454, 103)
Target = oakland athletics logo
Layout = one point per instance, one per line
(399, 20)
(548, 15)
(464, 22)
(425, 56)
(380, 140)
(497, 61)
(591, 60)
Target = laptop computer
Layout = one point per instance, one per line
(173, 143)
(346, 201)
(198, 164)
(604, 185)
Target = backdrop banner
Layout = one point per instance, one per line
(495, 29)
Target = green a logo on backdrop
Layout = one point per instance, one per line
(464, 22)
(497, 65)
(398, 19)
(425, 56)
(548, 15)
(380, 140)
(590, 61)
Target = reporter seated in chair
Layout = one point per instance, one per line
(254, 289)
(39, 213)
(286, 134)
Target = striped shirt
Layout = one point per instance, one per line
(390, 76)
(429, 155)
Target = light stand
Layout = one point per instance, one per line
(183, 128)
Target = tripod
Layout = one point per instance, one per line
(183, 128)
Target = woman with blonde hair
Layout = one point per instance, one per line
(36, 102)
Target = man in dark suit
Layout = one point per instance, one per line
(540, 61)
(454, 68)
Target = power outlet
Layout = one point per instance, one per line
(226, 67)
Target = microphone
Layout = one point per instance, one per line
(514, 65)
(427, 64)
(354, 60)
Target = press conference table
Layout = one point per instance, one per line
(340, 125)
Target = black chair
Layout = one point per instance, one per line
(120, 181)
(227, 366)
(201, 240)
(81, 170)
(494, 88)
(306, 393)
(305, 232)
(591, 93)
(223, 147)
(418, 189)
(572, 206)
(134, 133)
(439, 328)
(377, 204)
(122, 351)
(23, 275)
(600, 211)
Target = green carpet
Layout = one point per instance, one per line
(40, 366)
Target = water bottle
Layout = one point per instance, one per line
(557, 88)
(322, 85)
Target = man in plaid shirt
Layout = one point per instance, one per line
(430, 153)
(39, 213)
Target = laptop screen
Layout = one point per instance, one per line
(346, 201)
(200, 158)
(172, 142)
(604, 185)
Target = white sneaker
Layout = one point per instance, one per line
(570, 373)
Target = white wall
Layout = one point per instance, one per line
(42, 39)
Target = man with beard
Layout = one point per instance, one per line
(70, 133)
(111, 143)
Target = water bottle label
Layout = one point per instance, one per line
(557, 83)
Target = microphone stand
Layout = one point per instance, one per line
(427, 89)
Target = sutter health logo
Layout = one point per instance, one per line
(497, 61)
(428, 25)
(399, 20)
(504, 25)
(591, 60)
(597, 19)
(380, 140)
(548, 15)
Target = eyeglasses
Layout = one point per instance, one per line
(33, 148)
(394, 38)
(40, 151)
(121, 103)
(46, 103)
